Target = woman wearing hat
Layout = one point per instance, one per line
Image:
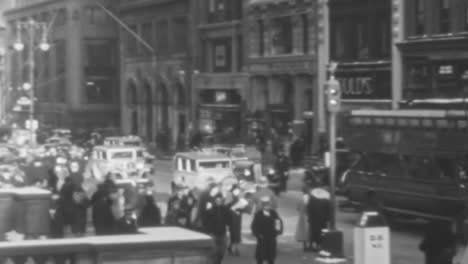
(266, 226)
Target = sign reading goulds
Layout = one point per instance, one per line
(365, 85)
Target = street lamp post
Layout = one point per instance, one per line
(32, 27)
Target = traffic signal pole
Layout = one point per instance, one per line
(332, 243)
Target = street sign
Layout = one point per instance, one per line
(35, 124)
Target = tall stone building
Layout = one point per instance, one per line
(433, 49)
(220, 86)
(156, 61)
(361, 43)
(282, 63)
(76, 80)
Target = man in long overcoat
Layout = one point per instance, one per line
(266, 226)
(216, 220)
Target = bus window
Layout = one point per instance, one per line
(193, 165)
(179, 162)
(424, 168)
(187, 165)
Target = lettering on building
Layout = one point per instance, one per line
(356, 86)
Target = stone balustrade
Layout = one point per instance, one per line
(160, 245)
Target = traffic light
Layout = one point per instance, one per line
(334, 95)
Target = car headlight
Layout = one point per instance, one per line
(247, 172)
(271, 171)
(37, 164)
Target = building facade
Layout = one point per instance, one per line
(282, 63)
(156, 58)
(220, 86)
(75, 81)
(361, 43)
(434, 49)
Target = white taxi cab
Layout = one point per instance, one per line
(125, 161)
(196, 170)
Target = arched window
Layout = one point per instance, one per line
(180, 95)
(149, 110)
(131, 93)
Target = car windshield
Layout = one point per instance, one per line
(132, 143)
(213, 165)
(122, 155)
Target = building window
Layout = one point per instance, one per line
(60, 69)
(162, 36)
(305, 33)
(131, 42)
(99, 54)
(362, 40)
(420, 17)
(222, 55)
(261, 38)
(444, 19)
(338, 32)
(95, 16)
(146, 34)
(99, 89)
(61, 17)
(383, 37)
(466, 19)
(282, 35)
(181, 33)
(218, 11)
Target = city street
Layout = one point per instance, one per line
(405, 236)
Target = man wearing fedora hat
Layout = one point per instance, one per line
(266, 226)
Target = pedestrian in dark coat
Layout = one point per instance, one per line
(238, 206)
(216, 220)
(150, 215)
(103, 220)
(282, 168)
(126, 224)
(438, 243)
(318, 215)
(266, 226)
(72, 207)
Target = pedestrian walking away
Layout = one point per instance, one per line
(266, 226)
(302, 229)
(438, 244)
(318, 216)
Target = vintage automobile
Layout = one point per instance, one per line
(247, 173)
(125, 161)
(196, 170)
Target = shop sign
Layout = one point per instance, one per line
(366, 87)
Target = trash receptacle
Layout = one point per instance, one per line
(32, 211)
(372, 239)
(7, 206)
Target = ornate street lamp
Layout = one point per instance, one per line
(32, 27)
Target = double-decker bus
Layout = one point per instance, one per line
(411, 162)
